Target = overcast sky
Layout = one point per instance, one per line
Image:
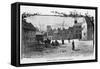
(49, 20)
(47, 10)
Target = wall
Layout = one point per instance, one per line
(5, 36)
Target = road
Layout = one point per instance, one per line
(84, 48)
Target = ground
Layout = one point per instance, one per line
(82, 48)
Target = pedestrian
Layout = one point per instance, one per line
(73, 45)
(62, 41)
(69, 40)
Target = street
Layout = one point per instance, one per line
(82, 48)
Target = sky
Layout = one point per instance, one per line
(47, 10)
(43, 21)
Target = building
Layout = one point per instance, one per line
(27, 36)
(70, 33)
(49, 28)
(28, 32)
(76, 30)
(49, 32)
(80, 30)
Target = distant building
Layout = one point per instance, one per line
(70, 33)
(77, 30)
(49, 32)
(39, 36)
(83, 31)
(49, 28)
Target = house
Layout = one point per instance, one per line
(28, 32)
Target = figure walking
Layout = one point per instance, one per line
(62, 41)
(69, 40)
(73, 45)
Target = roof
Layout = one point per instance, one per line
(28, 26)
(39, 33)
(78, 24)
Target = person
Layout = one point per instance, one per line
(45, 41)
(62, 41)
(73, 45)
(69, 40)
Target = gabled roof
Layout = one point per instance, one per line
(28, 26)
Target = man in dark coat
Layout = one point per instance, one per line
(62, 41)
(73, 45)
(69, 40)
